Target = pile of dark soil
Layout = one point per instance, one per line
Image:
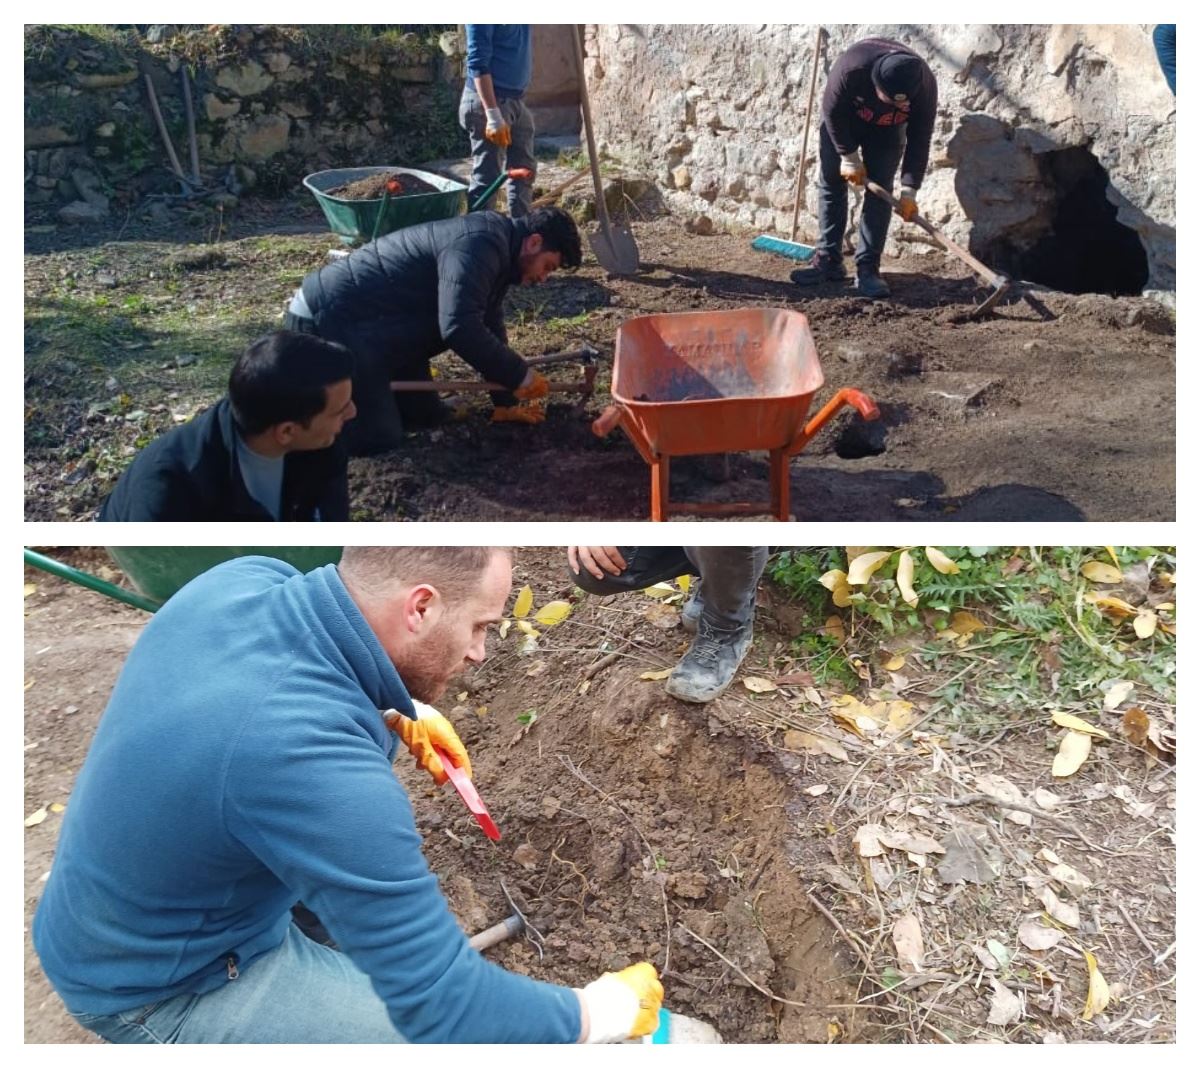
(373, 187)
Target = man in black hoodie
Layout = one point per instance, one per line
(879, 104)
(411, 294)
(268, 450)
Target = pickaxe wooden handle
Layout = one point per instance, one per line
(470, 385)
(998, 282)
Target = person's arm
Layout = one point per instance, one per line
(837, 108)
(920, 134)
(479, 70)
(152, 492)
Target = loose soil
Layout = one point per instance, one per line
(1059, 407)
(374, 186)
(630, 819)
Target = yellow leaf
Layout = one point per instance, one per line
(1166, 606)
(835, 628)
(864, 566)
(895, 663)
(1145, 623)
(660, 589)
(28, 683)
(966, 624)
(34, 818)
(832, 1030)
(685, 583)
(1112, 554)
(900, 715)
(527, 628)
(757, 685)
(552, 614)
(1071, 754)
(904, 579)
(56, 807)
(1114, 606)
(835, 582)
(524, 603)
(1095, 571)
(655, 676)
(1097, 995)
(505, 624)
(30, 589)
(940, 561)
(1074, 723)
(1119, 691)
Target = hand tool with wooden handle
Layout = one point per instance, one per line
(998, 282)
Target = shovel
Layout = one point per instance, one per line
(614, 247)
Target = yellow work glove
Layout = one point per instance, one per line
(533, 387)
(852, 169)
(624, 1004)
(907, 208)
(497, 130)
(421, 735)
(520, 413)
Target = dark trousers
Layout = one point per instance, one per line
(882, 148)
(728, 575)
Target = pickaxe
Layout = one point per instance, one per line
(586, 355)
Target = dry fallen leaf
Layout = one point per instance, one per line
(684, 582)
(813, 743)
(550, 615)
(1112, 555)
(866, 839)
(34, 818)
(523, 603)
(758, 685)
(1073, 879)
(908, 842)
(1135, 725)
(1098, 994)
(864, 566)
(904, 579)
(30, 589)
(1112, 606)
(660, 589)
(1006, 1006)
(910, 946)
(662, 615)
(1006, 790)
(56, 807)
(893, 663)
(1116, 692)
(835, 628)
(835, 582)
(654, 676)
(940, 561)
(525, 627)
(1095, 571)
(1072, 752)
(1064, 912)
(965, 624)
(1045, 798)
(1145, 623)
(1074, 723)
(1035, 935)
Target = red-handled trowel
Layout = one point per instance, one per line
(466, 790)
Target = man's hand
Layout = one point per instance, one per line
(852, 169)
(497, 130)
(596, 559)
(422, 734)
(621, 1005)
(533, 386)
(907, 208)
(520, 413)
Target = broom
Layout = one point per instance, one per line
(793, 249)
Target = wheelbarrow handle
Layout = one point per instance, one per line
(855, 398)
(517, 174)
(606, 422)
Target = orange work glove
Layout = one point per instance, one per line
(624, 1004)
(421, 735)
(907, 208)
(533, 387)
(496, 130)
(520, 413)
(853, 169)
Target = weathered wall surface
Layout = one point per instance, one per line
(715, 114)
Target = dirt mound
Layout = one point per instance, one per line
(373, 187)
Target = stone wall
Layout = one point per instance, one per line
(715, 114)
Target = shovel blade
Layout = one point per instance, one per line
(615, 250)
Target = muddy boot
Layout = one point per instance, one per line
(691, 612)
(825, 268)
(870, 285)
(709, 666)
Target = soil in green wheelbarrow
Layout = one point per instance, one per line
(372, 187)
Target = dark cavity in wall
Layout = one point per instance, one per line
(1083, 249)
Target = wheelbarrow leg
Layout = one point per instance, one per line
(660, 488)
(780, 485)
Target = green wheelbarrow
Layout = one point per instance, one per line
(159, 572)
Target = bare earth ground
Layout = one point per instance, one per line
(634, 826)
(1058, 408)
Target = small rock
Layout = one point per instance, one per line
(107, 281)
(699, 224)
(526, 856)
(106, 129)
(185, 359)
(111, 384)
(70, 710)
(80, 211)
(850, 353)
(691, 885)
(577, 951)
(1034, 346)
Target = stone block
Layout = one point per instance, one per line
(81, 211)
(47, 136)
(264, 137)
(246, 79)
(218, 110)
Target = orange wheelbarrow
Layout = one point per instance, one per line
(725, 381)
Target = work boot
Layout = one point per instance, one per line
(691, 612)
(870, 285)
(826, 267)
(709, 666)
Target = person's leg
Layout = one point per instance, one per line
(486, 158)
(520, 154)
(299, 992)
(725, 629)
(882, 149)
(644, 566)
(832, 202)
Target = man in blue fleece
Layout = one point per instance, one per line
(244, 762)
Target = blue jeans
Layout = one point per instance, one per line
(299, 992)
(728, 577)
(487, 159)
(882, 147)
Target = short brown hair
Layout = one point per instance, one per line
(374, 570)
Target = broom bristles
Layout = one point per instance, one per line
(793, 250)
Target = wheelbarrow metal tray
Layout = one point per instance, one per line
(354, 220)
(707, 382)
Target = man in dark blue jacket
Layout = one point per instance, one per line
(267, 451)
(244, 761)
(409, 295)
(879, 105)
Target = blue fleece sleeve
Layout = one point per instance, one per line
(321, 807)
(479, 49)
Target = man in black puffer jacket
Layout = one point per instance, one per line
(409, 295)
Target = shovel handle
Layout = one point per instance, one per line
(606, 422)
